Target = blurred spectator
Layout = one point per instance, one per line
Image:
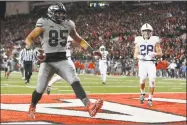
(114, 26)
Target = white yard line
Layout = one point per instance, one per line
(176, 88)
(167, 100)
(106, 93)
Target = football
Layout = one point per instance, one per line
(39, 54)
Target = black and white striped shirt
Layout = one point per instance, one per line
(27, 55)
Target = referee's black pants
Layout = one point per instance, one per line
(28, 70)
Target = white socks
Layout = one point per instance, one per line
(150, 96)
(142, 91)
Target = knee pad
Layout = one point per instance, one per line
(151, 82)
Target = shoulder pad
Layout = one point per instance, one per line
(71, 24)
(40, 22)
(156, 39)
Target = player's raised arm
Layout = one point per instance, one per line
(33, 35)
(80, 40)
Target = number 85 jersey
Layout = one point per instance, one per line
(54, 37)
(146, 46)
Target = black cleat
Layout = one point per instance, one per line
(103, 82)
(142, 96)
(48, 90)
(27, 81)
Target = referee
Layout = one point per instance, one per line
(27, 59)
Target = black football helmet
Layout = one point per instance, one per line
(57, 12)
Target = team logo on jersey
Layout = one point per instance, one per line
(117, 109)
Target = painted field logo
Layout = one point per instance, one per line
(117, 109)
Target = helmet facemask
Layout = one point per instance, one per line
(146, 31)
(59, 16)
(57, 12)
(102, 49)
(146, 34)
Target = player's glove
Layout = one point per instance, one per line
(141, 57)
(152, 54)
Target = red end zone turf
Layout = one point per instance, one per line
(117, 109)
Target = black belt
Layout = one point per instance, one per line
(55, 57)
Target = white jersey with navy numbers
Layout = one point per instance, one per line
(146, 46)
(54, 37)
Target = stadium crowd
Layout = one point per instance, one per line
(115, 26)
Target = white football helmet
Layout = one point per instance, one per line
(147, 26)
(102, 48)
(146, 31)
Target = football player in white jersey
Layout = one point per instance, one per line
(147, 48)
(103, 63)
(53, 32)
(57, 78)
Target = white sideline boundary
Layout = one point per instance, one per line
(103, 93)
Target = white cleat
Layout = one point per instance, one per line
(150, 102)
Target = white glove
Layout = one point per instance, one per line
(141, 57)
(147, 57)
(152, 54)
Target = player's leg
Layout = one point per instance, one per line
(152, 77)
(69, 74)
(143, 76)
(6, 70)
(101, 69)
(22, 70)
(104, 73)
(29, 71)
(26, 72)
(45, 73)
(51, 82)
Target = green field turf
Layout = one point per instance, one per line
(91, 83)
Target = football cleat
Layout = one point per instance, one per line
(94, 107)
(142, 96)
(150, 102)
(32, 111)
(48, 90)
